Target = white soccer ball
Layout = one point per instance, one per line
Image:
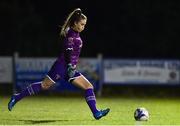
(141, 114)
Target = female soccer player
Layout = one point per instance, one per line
(65, 66)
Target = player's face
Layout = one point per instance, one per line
(79, 26)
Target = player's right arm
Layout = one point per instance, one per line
(68, 49)
(68, 56)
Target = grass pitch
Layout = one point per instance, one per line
(74, 111)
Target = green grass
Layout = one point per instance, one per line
(74, 111)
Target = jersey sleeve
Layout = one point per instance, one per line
(68, 49)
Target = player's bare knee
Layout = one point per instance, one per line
(46, 83)
(89, 86)
(46, 86)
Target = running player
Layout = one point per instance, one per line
(65, 66)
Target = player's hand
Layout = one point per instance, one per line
(71, 70)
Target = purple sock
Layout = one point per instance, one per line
(91, 100)
(32, 89)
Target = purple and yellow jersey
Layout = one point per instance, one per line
(72, 45)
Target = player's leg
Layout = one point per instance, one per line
(32, 89)
(90, 97)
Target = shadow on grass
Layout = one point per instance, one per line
(40, 121)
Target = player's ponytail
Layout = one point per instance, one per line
(74, 16)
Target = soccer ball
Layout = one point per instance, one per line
(141, 114)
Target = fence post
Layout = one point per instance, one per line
(100, 59)
(14, 59)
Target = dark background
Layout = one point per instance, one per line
(117, 29)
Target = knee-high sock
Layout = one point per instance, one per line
(91, 100)
(32, 89)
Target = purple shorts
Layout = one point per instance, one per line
(59, 71)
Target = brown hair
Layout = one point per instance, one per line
(75, 16)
